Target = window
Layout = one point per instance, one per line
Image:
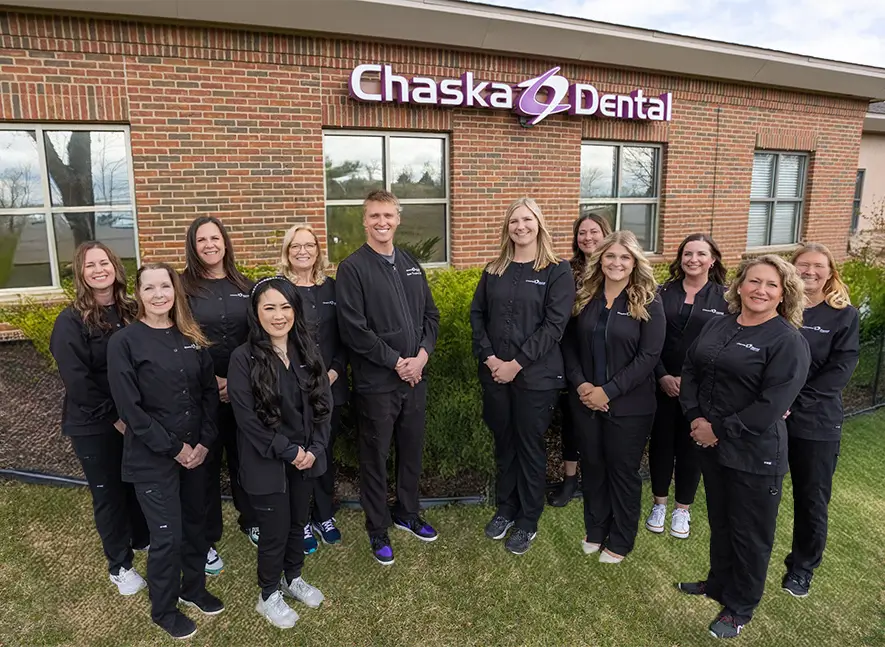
(858, 195)
(413, 166)
(621, 182)
(60, 186)
(776, 198)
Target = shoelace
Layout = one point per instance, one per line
(328, 526)
(380, 542)
(308, 532)
(278, 604)
(213, 555)
(303, 587)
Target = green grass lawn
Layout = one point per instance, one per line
(463, 589)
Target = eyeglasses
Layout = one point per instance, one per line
(308, 247)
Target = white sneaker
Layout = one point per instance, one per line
(656, 518)
(302, 591)
(214, 563)
(589, 547)
(607, 558)
(679, 523)
(129, 582)
(277, 612)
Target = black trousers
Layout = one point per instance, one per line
(571, 449)
(281, 520)
(324, 485)
(382, 417)
(611, 451)
(518, 419)
(118, 517)
(175, 509)
(671, 441)
(812, 465)
(226, 444)
(742, 512)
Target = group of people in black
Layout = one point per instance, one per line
(737, 383)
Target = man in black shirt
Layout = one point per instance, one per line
(389, 323)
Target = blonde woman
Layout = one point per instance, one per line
(830, 326)
(302, 262)
(612, 346)
(740, 377)
(518, 315)
(162, 379)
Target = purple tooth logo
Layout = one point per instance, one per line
(557, 89)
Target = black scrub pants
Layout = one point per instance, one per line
(742, 512)
(226, 443)
(324, 485)
(671, 441)
(518, 419)
(611, 451)
(571, 450)
(381, 417)
(812, 465)
(175, 508)
(118, 517)
(281, 520)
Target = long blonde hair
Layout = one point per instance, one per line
(835, 291)
(181, 314)
(793, 303)
(318, 271)
(545, 254)
(640, 287)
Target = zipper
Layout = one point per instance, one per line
(401, 294)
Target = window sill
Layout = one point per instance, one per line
(753, 252)
(13, 297)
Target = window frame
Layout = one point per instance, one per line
(386, 136)
(48, 211)
(773, 200)
(857, 200)
(617, 202)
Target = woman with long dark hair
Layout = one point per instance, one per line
(163, 382)
(611, 348)
(694, 294)
(79, 344)
(302, 262)
(587, 232)
(218, 295)
(280, 393)
(740, 377)
(830, 326)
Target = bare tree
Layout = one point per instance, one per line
(639, 171)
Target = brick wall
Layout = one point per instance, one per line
(229, 123)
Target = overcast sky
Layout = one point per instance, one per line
(842, 30)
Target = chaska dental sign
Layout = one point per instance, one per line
(536, 98)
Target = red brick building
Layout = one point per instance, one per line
(125, 127)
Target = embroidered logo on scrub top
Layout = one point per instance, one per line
(750, 346)
(822, 331)
(240, 295)
(536, 282)
(329, 303)
(191, 347)
(713, 310)
(624, 314)
(413, 271)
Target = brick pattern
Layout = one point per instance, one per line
(229, 122)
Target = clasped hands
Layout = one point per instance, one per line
(191, 457)
(410, 369)
(593, 397)
(503, 372)
(702, 433)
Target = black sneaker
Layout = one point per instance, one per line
(520, 541)
(693, 588)
(382, 550)
(207, 604)
(497, 528)
(726, 625)
(178, 625)
(418, 527)
(796, 585)
(564, 492)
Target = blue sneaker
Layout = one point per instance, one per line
(382, 550)
(328, 532)
(418, 527)
(310, 542)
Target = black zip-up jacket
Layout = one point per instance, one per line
(221, 309)
(832, 336)
(385, 312)
(264, 451)
(743, 380)
(633, 348)
(522, 315)
(81, 355)
(165, 390)
(709, 302)
(321, 314)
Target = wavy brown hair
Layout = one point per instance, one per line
(180, 314)
(835, 291)
(84, 298)
(318, 272)
(716, 273)
(578, 261)
(793, 303)
(640, 287)
(195, 270)
(545, 254)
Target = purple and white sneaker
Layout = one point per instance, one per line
(382, 550)
(418, 527)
